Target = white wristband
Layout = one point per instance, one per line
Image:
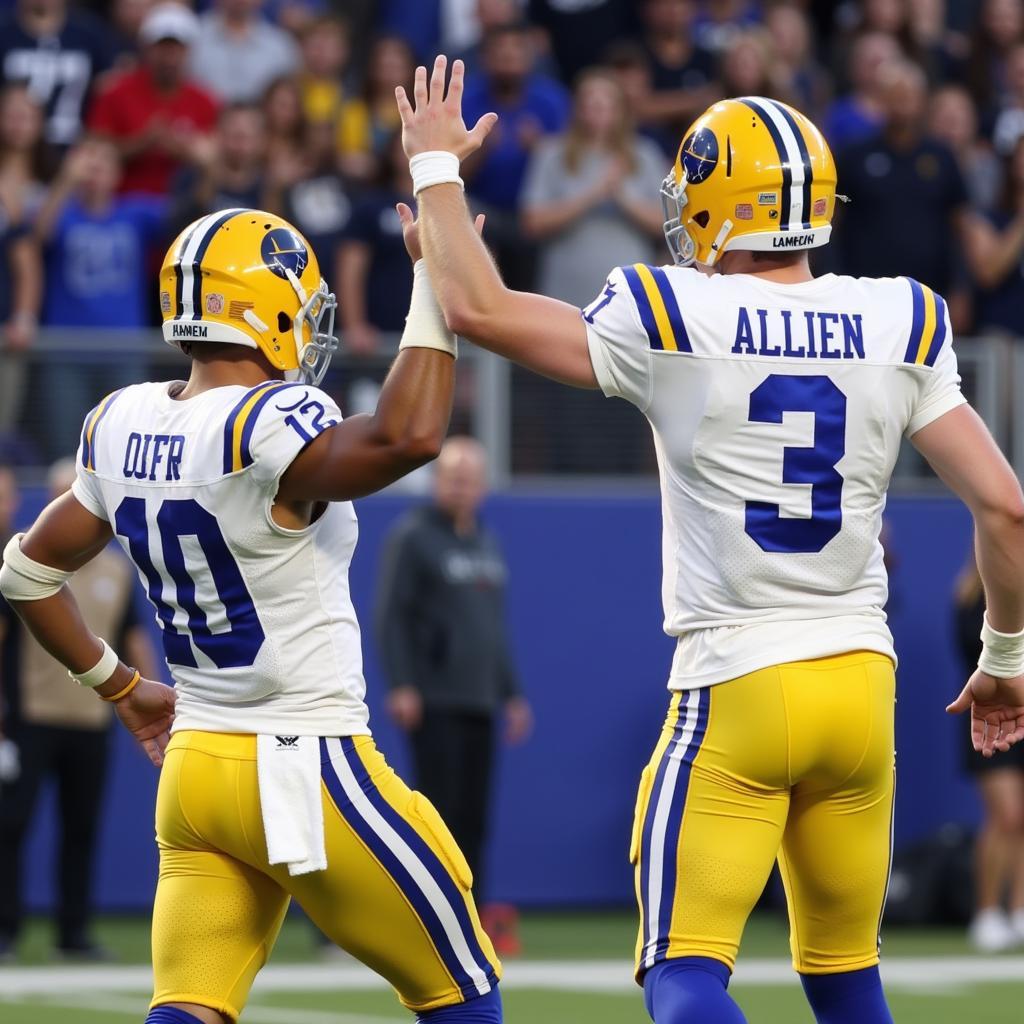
(101, 671)
(1002, 654)
(435, 167)
(425, 326)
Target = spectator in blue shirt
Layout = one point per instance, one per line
(96, 243)
(857, 116)
(373, 278)
(529, 106)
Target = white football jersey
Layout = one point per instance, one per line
(777, 413)
(257, 621)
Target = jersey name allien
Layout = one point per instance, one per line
(256, 620)
(778, 412)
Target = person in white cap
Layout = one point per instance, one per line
(239, 53)
(155, 113)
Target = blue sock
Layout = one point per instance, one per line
(483, 1010)
(854, 997)
(170, 1015)
(690, 990)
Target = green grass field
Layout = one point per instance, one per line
(574, 969)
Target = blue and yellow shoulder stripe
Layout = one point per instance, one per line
(91, 427)
(927, 325)
(659, 311)
(241, 423)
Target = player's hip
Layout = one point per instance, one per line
(709, 652)
(825, 722)
(209, 800)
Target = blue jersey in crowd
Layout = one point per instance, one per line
(96, 264)
(544, 103)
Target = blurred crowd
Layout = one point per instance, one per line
(122, 120)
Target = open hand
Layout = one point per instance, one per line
(411, 230)
(148, 713)
(435, 122)
(997, 711)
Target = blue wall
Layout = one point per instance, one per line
(586, 622)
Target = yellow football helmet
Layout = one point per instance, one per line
(247, 277)
(752, 173)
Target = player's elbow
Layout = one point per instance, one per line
(461, 318)
(418, 447)
(1002, 513)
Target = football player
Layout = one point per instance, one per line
(778, 402)
(232, 493)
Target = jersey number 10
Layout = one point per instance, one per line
(235, 647)
(816, 465)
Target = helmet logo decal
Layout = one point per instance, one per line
(699, 155)
(282, 250)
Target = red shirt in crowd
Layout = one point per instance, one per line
(130, 105)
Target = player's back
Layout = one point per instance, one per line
(778, 411)
(257, 622)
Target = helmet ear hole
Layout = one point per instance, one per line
(702, 218)
(284, 322)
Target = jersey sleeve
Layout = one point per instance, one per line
(86, 487)
(620, 349)
(939, 391)
(272, 424)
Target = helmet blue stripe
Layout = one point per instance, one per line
(805, 157)
(197, 261)
(179, 276)
(780, 146)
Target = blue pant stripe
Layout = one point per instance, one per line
(673, 772)
(675, 822)
(394, 866)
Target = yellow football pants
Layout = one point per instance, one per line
(794, 762)
(395, 894)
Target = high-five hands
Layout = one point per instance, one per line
(435, 121)
(997, 711)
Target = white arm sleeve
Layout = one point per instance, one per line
(619, 348)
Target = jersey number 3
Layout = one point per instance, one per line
(815, 465)
(234, 647)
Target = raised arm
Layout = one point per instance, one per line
(539, 333)
(365, 453)
(960, 449)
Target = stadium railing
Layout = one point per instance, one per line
(540, 435)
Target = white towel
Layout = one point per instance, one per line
(288, 769)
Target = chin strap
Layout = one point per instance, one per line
(716, 245)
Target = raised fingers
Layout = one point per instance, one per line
(437, 79)
(419, 88)
(483, 128)
(455, 83)
(405, 110)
